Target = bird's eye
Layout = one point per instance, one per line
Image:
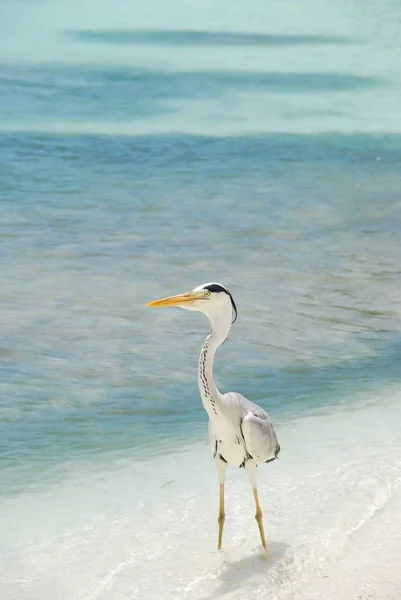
(206, 293)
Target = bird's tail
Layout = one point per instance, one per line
(276, 454)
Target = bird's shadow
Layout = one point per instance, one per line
(234, 573)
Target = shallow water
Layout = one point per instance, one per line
(139, 157)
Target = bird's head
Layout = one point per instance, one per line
(213, 299)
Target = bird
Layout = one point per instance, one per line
(241, 433)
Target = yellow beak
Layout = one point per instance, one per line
(177, 300)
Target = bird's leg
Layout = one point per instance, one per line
(221, 468)
(259, 518)
(222, 516)
(251, 470)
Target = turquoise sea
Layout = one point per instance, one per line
(146, 149)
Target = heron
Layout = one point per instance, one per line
(241, 433)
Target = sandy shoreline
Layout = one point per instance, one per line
(370, 568)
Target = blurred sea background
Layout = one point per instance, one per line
(146, 148)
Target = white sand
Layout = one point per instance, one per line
(371, 568)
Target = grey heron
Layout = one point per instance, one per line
(240, 432)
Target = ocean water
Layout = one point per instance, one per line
(145, 149)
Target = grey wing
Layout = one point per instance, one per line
(259, 435)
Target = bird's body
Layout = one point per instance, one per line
(240, 432)
(244, 433)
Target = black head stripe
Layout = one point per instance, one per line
(234, 308)
(216, 287)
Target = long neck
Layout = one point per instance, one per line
(211, 397)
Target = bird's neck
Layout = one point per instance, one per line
(211, 397)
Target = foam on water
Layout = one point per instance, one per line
(149, 529)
